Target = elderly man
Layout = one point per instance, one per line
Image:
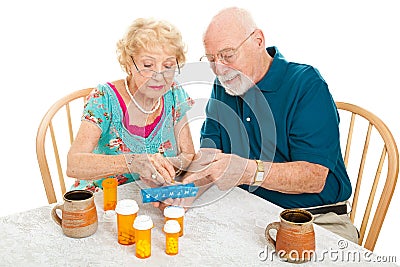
(271, 125)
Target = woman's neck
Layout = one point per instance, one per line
(145, 102)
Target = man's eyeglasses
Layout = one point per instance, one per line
(227, 55)
(168, 73)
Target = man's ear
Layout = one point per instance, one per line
(259, 37)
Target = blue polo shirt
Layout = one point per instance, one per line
(288, 116)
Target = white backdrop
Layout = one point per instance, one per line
(50, 48)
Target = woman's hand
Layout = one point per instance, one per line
(154, 169)
(186, 203)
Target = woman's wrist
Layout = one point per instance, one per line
(130, 159)
(179, 166)
(130, 162)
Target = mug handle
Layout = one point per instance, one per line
(274, 225)
(54, 214)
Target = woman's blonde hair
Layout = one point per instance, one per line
(150, 34)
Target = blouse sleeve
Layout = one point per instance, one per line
(182, 103)
(97, 109)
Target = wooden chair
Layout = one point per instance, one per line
(50, 119)
(386, 163)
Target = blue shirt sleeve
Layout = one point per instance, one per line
(314, 131)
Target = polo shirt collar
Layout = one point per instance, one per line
(273, 78)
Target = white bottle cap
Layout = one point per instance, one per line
(110, 216)
(143, 222)
(174, 212)
(172, 227)
(126, 207)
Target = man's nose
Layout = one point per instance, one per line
(219, 67)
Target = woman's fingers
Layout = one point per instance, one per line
(165, 165)
(169, 166)
(173, 202)
(159, 173)
(162, 167)
(150, 182)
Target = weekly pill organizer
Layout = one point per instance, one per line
(174, 191)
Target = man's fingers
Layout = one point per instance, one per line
(191, 178)
(202, 164)
(206, 158)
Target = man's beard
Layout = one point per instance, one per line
(239, 86)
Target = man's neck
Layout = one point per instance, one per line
(266, 61)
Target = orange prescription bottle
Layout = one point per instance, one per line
(110, 193)
(143, 225)
(126, 210)
(171, 229)
(175, 213)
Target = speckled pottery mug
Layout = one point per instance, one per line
(295, 237)
(79, 214)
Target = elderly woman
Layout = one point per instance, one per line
(136, 128)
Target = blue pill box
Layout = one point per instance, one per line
(158, 194)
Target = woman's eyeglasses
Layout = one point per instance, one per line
(168, 73)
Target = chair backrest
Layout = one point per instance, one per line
(374, 136)
(48, 124)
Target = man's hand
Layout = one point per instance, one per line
(225, 170)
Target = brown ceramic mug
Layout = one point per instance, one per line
(295, 238)
(79, 214)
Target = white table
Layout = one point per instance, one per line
(227, 232)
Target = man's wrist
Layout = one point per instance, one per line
(250, 171)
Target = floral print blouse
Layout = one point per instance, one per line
(105, 108)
